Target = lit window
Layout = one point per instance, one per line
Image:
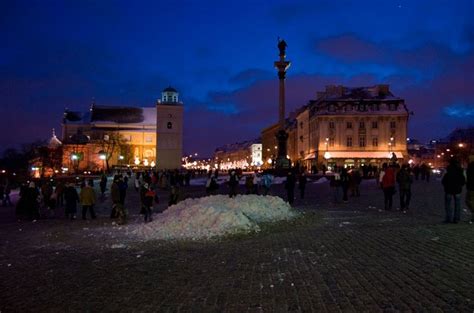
(375, 142)
(349, 141)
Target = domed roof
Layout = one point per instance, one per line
(170, 89)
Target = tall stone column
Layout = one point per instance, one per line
(282, 162)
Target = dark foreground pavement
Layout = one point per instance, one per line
(336, 258)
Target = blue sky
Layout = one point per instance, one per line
(219, 55)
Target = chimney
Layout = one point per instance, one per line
(383, 90)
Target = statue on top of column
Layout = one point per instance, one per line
(282, 46)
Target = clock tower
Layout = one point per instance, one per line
(169, 130)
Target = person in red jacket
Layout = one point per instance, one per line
(387, 181)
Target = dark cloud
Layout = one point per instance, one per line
(250, 75)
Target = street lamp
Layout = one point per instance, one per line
(327, 155)
(103, 157)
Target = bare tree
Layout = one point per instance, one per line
(111, 144)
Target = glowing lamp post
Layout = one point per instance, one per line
(103, 157)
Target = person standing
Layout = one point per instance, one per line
(103, 184)
(356, 179)
(233, 183)
(46, 192)
(470, 189)
(71, 198)
(148, 195)
(453, 181)
(59, 191)
(290, 187)
(32, 201)
(302, 184)
(267, 179)
(404, 180)
(87, 199)
(174, 195)
(387, 182)
(118, 207)
(345, 181)
(6, 197)
(249, 184)
(2, 191)
(335, 185)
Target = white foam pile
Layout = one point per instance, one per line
(213, 216)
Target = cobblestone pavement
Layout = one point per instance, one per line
(347, 257)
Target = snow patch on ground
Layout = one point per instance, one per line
(214, 216)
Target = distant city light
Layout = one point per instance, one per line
(102, 157)
(74, 157)
(121, 157)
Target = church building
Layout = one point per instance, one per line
(109, 136)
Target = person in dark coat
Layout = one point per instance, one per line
(32, 201)
(233, 183)
(115, 196)
(470, 189)
(404, 180)
(344, 181)
(302, 184)
(6, 197)
(290, 187)
(174, 196)
(453, 181)
(103, 184)
(147, 196)
(21, 210)
(387, 181)
(355, 179)
(71, 198)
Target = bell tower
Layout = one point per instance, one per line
(169, 130)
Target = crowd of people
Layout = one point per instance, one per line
(343, 181)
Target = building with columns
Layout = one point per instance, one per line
(121, 136)
(347, 127)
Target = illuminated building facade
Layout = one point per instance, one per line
(108, 136)
(247, 154)
(348, 127)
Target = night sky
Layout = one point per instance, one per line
(219, 55)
